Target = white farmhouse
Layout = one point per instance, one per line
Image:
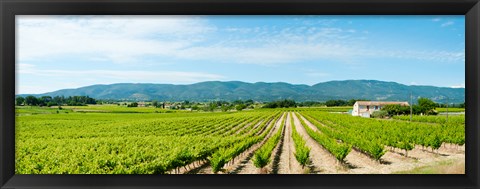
(365, 108)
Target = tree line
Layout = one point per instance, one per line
(54, 101)
(424, 106)
(287, 103)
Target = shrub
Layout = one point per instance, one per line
(379, 114)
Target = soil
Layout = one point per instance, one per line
(288, 164)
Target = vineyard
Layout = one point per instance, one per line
(111, 140)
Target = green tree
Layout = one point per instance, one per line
(330, 103)
(226, 107)
(210, 106)
(426, 105)
(31, 100)
(236, 102)
(395, 109)
(44, 100)
(351, 102)
(19, 101)
(249, 102)
(133, 104)
(240, 107)
(281, 104)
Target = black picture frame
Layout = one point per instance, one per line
(10, 8)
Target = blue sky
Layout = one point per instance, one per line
(57, 52)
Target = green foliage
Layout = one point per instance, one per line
(133, 104)
(286, 103)
(452, 119)
(217, 160)
(222, 156)
(379, 114)
(262, 156)
(240, 107)
(395, 109)
(302, 152)
(371, 135)
(210, 107)
(425, 106)
(31, 101)
(376, 150)
(339, 150)
(156, 104)
(49, 101)
(109, 143)
(434, 141)
(426, 103)
(19, 101)
(111, 139)
(330, 103)
(450, 109)
(351, 102)
(310, 104)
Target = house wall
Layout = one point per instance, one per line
(355, 110)
(361, 110)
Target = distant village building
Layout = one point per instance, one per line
(365, 108)
(141, 104)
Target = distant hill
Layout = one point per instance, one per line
(261, 91)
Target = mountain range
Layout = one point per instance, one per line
(263, 91)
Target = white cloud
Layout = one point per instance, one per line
(436, 19)
(458, 86)
(163, 76)
(23, 68)
(449, 23)
(438, 56)
(127, 39)
(166, 76)
(118, 38)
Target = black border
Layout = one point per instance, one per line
(10, 8)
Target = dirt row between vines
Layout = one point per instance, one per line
(242, 163)
(245, 165)
(392, 161)
(288, 164)
(322, 161)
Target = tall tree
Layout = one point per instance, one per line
(426, 105)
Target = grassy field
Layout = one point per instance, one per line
(450, 109)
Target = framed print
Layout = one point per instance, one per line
(239, 94)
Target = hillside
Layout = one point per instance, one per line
(262, 91)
